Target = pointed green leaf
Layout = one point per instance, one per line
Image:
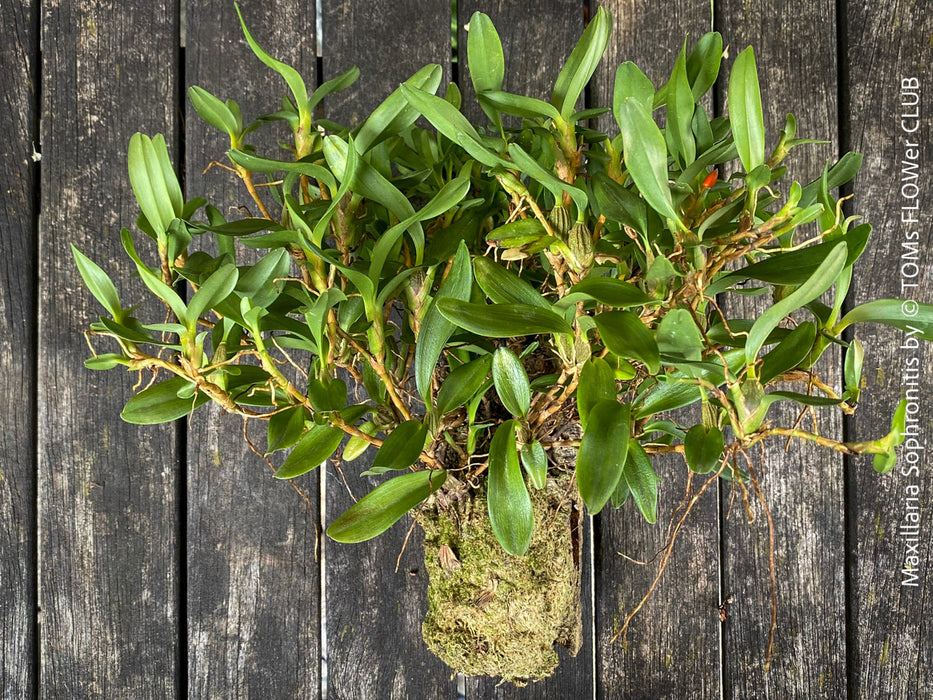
(855, 356)
(909, 316)
(215, 289)
(597, 383)
(503, 286)
(549, 181)
(99, 284)
(611, 292)
(790, 352)
(631, 82)
(642, 481)
(329, 396)
(518, 105)
(645, 154)
(703, 64)
(485, 60)
(382, 507)
(534, 459)
(822, 279)
(625, 335)
(153, 181)
(315, 447)
(395, 115)
(703, 448)
(214, 111)
(509, 505)
(680, 107)
(511, 382)
(161, 403)
(285, 428)
(745, 115)
(582, 63)
(602, 453)
(502, 320)
(436, 329)
(402, 446)
(291, 76)
(462, 383)
(341, 82)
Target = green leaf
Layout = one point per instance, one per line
(436, 329)
(485, 59)
(462, 383)
(646, 157)
(822, 279)
(603, 453)
(161, 403)
(625, 335)
(511, 382)
(703, 448)
(679, 336)
(452, 124)
(257, 164)
(534, 459)
(517, 105)
(745, 115)
(214, 290)
(618, 203)
(402, 446)
(382, 507)
(885, 462)
(842, 172)
(369, 182)
(597, 383)
(912, 317)
(291, 76)
(395, 115)
(680, 107)
(502, 320)
(549, 181)
(797, 266)
(642, 481)
(631, 82)
(329, 396)
(611, 292)
(582, 63)
(703, 64)
(315, 447)
(285, 428)
(855, 356)
(99, 284)
(152, 281)
(341, 82)
(790, 352)
(503, 286)
(154, 182)
(214, 111)
(509, 505)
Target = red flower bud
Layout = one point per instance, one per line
(710, 180)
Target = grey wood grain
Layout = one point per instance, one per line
(374, 646)
(535, 44)
(672, 645)
(19, 53)
(796, 58)
(388, 42)
(107, 522)
(891, 630)
(253, 596)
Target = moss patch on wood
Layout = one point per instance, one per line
(494, 614)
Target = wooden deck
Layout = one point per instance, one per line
(153, 562)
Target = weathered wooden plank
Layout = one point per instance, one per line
(535, 45)
(107, 490)
(373, 615)
(889, 56)
(253, 597)
(796, 57)
(672, 646)
(19, 54)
